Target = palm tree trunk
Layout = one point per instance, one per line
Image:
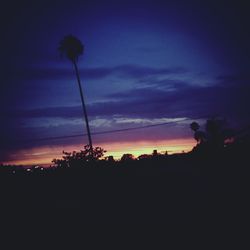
(84, 109)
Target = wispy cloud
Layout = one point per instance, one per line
(127, 120)
(29, 137)
(145, 105)
(150, 103)
(128, 71)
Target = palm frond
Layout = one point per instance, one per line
(71, 47)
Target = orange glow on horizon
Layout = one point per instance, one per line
(147, 147)
(44, 155)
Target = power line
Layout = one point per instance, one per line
(102, 132)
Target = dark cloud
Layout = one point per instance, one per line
(238, 79)
(59, 73)
(51, 112)
(194, 102)
(187, 101)
(135, 71)
(150, 102)
(128, 71)
(32, 31)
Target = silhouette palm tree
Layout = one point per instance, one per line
(73, 48)
(199, 136)
(194, 126)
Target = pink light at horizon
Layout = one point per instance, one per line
(44, 155)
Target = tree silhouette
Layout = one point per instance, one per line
(199, 136)
(218, 132)
(127, 157)
(216, 137)
(76, 159)
(73, 48)
(194, 126)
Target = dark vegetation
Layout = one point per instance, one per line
(210, 184)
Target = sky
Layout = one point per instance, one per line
(144, 63)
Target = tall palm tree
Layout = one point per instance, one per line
(73, 48)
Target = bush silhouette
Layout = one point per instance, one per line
(73, 159)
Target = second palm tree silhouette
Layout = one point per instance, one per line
(73, 48)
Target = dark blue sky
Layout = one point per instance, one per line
(145, 62)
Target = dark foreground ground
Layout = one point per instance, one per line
(180, 192)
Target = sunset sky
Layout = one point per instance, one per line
(145, 62)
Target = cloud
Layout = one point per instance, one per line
(150, 102)
(187, 101)
(26, 138)
(143, 121)
(136, 71)
(52, 112)
(239, 79)
(167, 84)
(128, 71)
(124, 109)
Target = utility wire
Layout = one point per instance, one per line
(102, 132)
